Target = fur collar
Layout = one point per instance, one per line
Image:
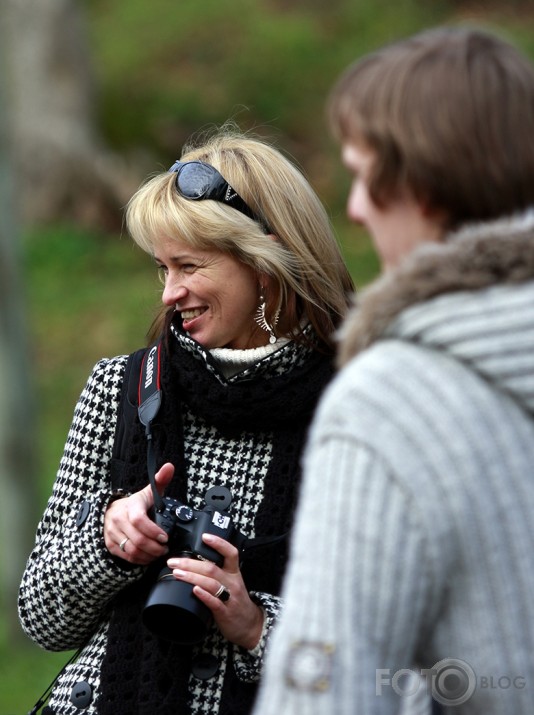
(475, 257)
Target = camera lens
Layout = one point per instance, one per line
(172, 612)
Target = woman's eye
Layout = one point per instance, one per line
(162, 274)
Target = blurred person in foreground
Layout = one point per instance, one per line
(254, 287)
(411, 557)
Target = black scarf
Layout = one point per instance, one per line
(141, 674)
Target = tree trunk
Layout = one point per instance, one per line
(52, 167)
(64, 170)
(18, 502)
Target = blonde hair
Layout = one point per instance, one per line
(310, 277)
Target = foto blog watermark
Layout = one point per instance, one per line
(451, 681)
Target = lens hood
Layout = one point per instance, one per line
(172, 612)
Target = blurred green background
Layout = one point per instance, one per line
(163, 71)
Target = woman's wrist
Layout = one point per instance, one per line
(255, 632)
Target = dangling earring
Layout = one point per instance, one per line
(261, 320)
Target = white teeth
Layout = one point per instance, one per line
(190, 314)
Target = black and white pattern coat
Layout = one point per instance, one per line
(71, 579)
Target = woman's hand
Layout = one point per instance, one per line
(126, 522)
(239, 619)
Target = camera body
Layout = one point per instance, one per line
(172, 611)
(185, 527)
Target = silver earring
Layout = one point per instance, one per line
(261, 320)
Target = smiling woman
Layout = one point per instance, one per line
(299, 269)
(254, 287)
(215, 294)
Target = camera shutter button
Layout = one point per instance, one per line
(184, 513)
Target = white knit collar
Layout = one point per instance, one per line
(233, 361)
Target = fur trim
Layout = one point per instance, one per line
(473, 258)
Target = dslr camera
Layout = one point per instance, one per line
(172, 611)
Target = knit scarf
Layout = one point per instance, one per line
(144, 675)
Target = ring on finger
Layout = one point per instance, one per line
(123, 543)
(223, 594)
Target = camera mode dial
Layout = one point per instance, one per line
(184, 513)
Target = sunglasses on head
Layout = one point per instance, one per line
(198, 181)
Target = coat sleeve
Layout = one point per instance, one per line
(248, 663)
(70, 576)
(357, 584)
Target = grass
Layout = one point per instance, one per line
(89, 296)
(25, 673)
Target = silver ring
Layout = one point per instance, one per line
(223, 594)
(123, 543)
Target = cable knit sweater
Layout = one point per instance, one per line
(231, 431)
(413, 543)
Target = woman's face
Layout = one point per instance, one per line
(216, 295)
(397, 227)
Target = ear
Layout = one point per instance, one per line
(265, 283)
(432, 212)
(269, 288)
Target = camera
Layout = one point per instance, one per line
(172, 611)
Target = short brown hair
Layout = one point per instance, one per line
(450, 115)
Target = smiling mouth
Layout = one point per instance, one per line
(190, 314)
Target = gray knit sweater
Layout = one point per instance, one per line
(414, 540)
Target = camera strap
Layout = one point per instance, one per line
(149, 400)
(44, 697)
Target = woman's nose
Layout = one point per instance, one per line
(173, 292)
